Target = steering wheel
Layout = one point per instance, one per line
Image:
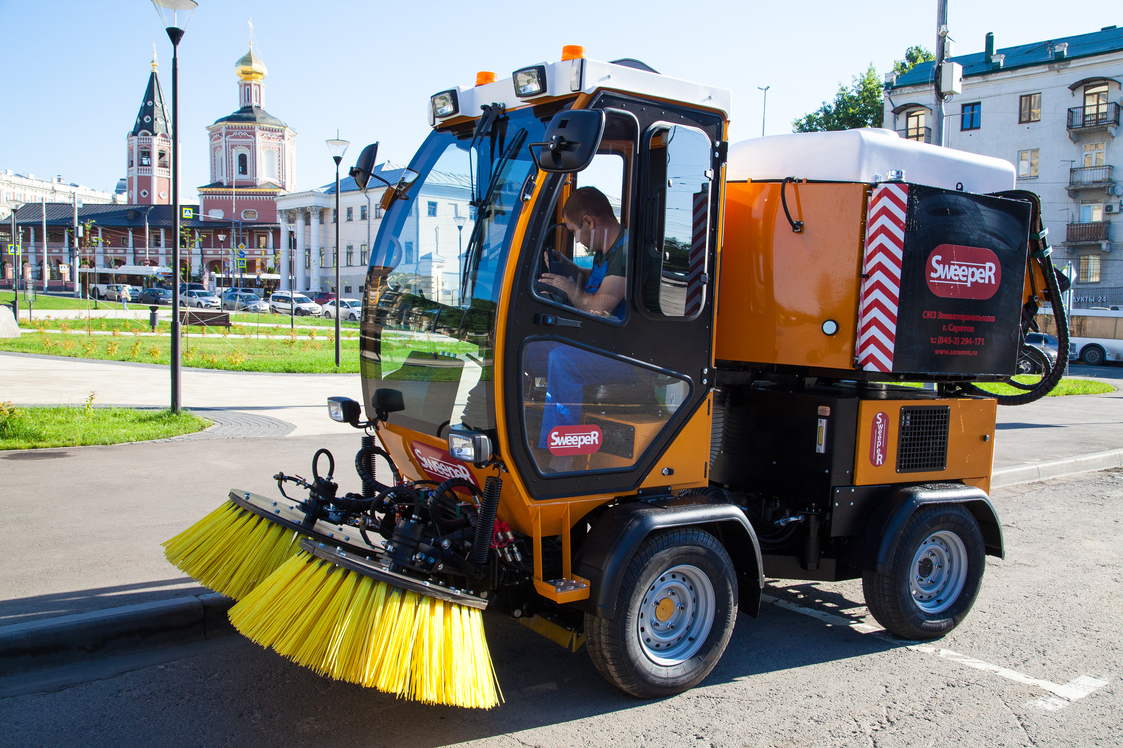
(544, 289)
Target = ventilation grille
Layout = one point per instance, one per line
(923, 442)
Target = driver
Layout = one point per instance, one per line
(599, 290)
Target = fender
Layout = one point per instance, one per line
(883, 530)
(617, 534)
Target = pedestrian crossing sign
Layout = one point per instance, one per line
(241, 264)
(188, 212)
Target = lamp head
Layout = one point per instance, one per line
(175, 15)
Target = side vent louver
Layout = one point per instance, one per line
(923, 442)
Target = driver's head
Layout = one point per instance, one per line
(588, 216)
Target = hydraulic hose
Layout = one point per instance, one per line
(485, 522)
(438, 505)
(364, 466)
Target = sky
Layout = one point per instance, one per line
(76, 71)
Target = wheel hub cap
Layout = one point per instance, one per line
(676, 615)
(939, 571)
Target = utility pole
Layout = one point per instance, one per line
(764, 109)
(941, 35)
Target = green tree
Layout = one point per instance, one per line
(913, 57)
(859, 104)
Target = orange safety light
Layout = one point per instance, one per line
(484, 77)
(573, 52)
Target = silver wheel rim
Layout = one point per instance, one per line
(675, 615)
(938, 572)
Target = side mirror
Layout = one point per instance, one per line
(572, 139)
(364, 166)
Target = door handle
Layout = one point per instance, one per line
(555, 320)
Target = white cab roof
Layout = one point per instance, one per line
(865, 155)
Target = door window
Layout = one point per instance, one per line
(584, 410)
(673, 257)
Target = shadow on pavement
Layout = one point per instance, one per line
(38, 607)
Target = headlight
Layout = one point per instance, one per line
(469, 446)
(445, 104)
(530, 81)
(343, 410)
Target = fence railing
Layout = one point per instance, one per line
(1089, 175)
(1093, 231)
(1099, 115)
(919, 134)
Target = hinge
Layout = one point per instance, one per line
(721, 151)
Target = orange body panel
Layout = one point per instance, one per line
(970, 456)
(777, 288)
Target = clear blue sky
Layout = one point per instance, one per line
(74, 73)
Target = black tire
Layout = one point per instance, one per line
(677, 564)
(941, 548)
(1092, 355)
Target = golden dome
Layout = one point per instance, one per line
(250, 67)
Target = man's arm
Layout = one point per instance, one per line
(604, 301)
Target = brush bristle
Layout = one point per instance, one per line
(231, 550)
(355, 629)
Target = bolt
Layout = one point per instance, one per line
(681, 606)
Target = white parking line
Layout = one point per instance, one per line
(1062, 695)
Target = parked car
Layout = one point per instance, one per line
(113, 292)
(199, 299)
(349, 309)
(238, 302)
(286, 302)
(185, 287)
(323, 297)
(154, 296)
(1037, 350)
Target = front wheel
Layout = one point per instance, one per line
(674, 616)
(933, 577)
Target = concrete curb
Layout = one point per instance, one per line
(25, 647)
(1013, 476)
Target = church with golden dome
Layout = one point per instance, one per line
(252, 158)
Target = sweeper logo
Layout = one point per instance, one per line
(879, 440)
(574, 440)
(439, 465)
(958, 272)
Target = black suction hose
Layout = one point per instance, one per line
(364, 466)
(485, 522)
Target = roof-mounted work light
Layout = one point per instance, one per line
(445, 104)
(530, 81)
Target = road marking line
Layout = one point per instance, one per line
(1063, 695)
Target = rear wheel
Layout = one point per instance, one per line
(1092, 355)
(933, 577)
(674, 616)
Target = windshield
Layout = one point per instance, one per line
(302, 299)
(435, 276)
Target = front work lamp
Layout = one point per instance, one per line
(469, 446)
(344, 410)
(530, 81)
(445, 104)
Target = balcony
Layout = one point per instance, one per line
(1099, 118)
(919, 134)
(1093, 232)
(1088, 178)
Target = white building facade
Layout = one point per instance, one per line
(1052, 109)
(18, 189)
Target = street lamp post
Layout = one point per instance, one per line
(337, 148)
(175, 15)
(764, 109)
(460, 220)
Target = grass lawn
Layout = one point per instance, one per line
(62, 426)
(48, 303)
(164, 325)
(1067, 386)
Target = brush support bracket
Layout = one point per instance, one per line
(291, 516)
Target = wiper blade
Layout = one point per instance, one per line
(492, 112)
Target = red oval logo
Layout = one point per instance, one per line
(957, 272)
(439, 465)
(879, 439)
(574, 440)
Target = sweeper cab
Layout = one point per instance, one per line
(613, 413)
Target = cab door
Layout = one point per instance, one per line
(594, 397)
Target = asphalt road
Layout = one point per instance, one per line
(1037, 662)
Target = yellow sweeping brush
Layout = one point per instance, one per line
(238, 545)
(352, 620)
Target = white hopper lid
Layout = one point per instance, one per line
(865, 155)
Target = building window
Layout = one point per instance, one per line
(972, 117)
(409, 252)
(162, 159)
(914, 125)
(145, 157)
(1029, 108)
(1089, 269)
(362, 212)
(1027, 164)
(362, 254)
(350, 255)
(334, 217)
(320, 213)
(1094, 154)
(377, 212)
(322, 257)
(263, 241)
(124, 241)
(243, 164)
(350, 214)
(1095, 103)
(1091, 212)
(346, 289)
(249, 215)
(432, 209)
(307, 259)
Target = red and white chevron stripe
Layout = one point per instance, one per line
(695, 286)
(881, 277)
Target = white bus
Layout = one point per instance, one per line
(1095, 335)
(96, 281)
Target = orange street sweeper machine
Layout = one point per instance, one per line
(644, 371)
